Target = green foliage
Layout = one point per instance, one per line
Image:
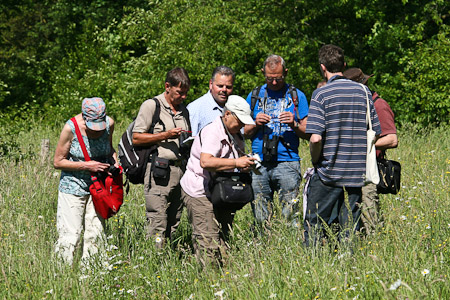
(121, 50)
(425, 82)
(415, 238)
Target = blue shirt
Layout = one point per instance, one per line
(273, 103)
(203, 111)
(338, 113)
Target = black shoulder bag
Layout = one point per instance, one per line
(390, 173)
(230, 190)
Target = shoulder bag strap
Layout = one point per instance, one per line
(82, 145)
(368, 118)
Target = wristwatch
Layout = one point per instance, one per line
(296, 124)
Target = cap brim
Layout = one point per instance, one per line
(246, 119)
(96, 126)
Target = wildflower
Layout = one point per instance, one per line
(272, 296)
(403, 218)
(55, 174)
(158, 239)
(333, 289)
(141, 257)
(191, 296)
(294, 201)
(395, 285)
(130, 291)
(306, 272)
(428, 227)
(49, 291)
(121, 291)
(219, 293)
(40, 217)
(246, 275)
(425, 272)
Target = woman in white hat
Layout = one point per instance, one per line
(214, 150)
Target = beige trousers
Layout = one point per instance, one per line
(74, 214)
(163, 205)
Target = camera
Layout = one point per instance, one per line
(185, 140)
(257, 164)
(115, 171)
(270, 147)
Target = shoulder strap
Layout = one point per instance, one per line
(80, 139)
(254, 98)
(293, 91)
(156, 117)
(82, 145)
(376, 98)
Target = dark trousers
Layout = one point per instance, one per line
(321, 200)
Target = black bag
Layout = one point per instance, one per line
(231, 190)
(134, 159)
(390, 172)
(160, 167)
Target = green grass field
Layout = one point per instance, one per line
(409, 259)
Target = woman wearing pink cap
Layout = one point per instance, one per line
(75, 206)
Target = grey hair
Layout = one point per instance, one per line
(225, 109)
(272, 61)
(223, 70)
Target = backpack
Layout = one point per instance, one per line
(134, 159)
(291, 89)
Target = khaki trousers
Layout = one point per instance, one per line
(210, 228)
(370, 209)
(163, 205)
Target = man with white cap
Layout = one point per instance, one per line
(213, 150)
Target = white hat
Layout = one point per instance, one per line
(240, 108)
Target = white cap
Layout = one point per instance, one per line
(240, 108)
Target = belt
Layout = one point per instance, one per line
(175, 163)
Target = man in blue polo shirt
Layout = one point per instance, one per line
(338, 145)
(208, 107)
(280, 112)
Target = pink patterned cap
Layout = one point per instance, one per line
(94, 113)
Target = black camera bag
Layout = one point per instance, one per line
(390, 173)
(231, 190)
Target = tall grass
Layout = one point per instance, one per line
(408, 259)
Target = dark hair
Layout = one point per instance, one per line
(332, 57)
(272, 61)
(223, 70)
(178, 75)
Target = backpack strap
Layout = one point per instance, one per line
(293, 91)
(376, 98)
(156, 117)
(254, 98)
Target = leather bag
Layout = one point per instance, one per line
(231, 190)
(390, 174)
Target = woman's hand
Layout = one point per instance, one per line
(95, 166)
(244, 162)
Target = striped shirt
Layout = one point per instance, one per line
(338, 113)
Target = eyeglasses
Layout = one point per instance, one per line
(277, 79)
(237, 118)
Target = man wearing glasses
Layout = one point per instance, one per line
(280, 112)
